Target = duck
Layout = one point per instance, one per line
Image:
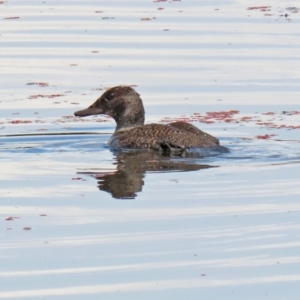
(125, 106)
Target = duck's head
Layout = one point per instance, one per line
(122, 103)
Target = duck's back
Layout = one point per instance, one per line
(176, 136)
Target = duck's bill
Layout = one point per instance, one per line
(90, 111)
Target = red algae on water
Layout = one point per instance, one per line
(262, 8)
(232, 116)
(11, 218)
(265, 137)
(45, 96)
(42, 84)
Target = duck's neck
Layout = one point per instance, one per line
(130, 117)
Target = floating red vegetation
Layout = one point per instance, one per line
(276, 126)
(231, 117)
(11, 218)
(68, 117)
(291, 113)
(45, 96)
(19, 121)
(265, 137)
(11, 18)
(267, 124)
(246, 119)
(222, 115)
(270, 113)
(208, 118)
(78, 178)
(246, 139)
(263, 8)
(42, 84)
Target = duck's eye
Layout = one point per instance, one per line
(109, 96)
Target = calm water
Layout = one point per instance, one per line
(79, 221)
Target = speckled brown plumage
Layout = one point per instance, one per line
(124, 104)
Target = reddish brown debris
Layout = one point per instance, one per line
(68, 117)
(19, 121)
(291, 113)
(231, 117)
(246, 139)
(42, 84)
(78, 178)
(265, 137)
(11, 18)
(11, 218)
(45, 96)
(258, 7)
(27, 228)
(208, 118)
(246, 119)
(270, 113)
(275, 126)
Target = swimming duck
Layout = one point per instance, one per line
(125, 106)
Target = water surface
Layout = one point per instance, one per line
(78, 220)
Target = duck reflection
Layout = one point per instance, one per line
(127, 180)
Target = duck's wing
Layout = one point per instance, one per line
(161, 137)
(194, 130)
